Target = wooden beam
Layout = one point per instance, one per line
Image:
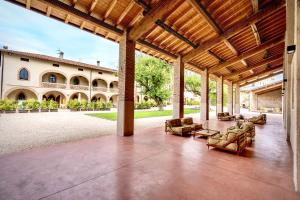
(260, 64)
(110, 8)
(144, 5)
(49, 9)
(124, 13)
(268, 88)
(266, 71)
(239, 26)
(245, 55)
(175, 33)
(28, 3)
(260, 79)
(82, 25)
(92, 6)
(135, 19)
(67, 18)
(255, 6)
(256, 34)
(74, 2)
(82, 16)
(231, 47)
(155, 48)
(151, 17)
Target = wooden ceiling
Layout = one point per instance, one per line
(236, 39)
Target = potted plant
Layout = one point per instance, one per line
(73, 105)
(53, 106)
(1, 106)
(44, 106)
(92, 105)
(22, 107)
(83, 105)
(98, 105)
(32, 105)
(9, 106)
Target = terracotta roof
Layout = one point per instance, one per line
(58, 60)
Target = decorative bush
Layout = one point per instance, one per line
(8, 104)
(32, 104)
(192, 102)
(1, 105)
(22, 105)
(92, 105)
(73, 104)
(83, 104)
(143, 105)
(44, 105)
(99, 104)
(52, 104)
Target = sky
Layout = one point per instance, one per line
(25, 30)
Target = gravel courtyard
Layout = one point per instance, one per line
(27, 130)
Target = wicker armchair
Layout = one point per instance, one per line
(260, 119)
(230, 141)
(225, 116)
(188, 122)
(176, 127)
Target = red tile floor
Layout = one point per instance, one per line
(152, 165)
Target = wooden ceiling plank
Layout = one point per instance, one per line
(247, 54)
(28, 4)
(92, 6)
(49, 10)
(110, 8)
(239, 26)
(74, 2)
(151, 17)
(125, 12)
(260, 79)
(67, 18)
(136, 18)
(260, 64)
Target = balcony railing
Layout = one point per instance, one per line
(114, 90)
(102, 89)
(54, 85)
(79, 87)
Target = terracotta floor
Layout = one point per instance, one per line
(152, 165)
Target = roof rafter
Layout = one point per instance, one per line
(124, 13)
(263, 78)
(110, 8)
(92, 6)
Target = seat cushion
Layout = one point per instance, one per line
(175, 122)
(187, 121)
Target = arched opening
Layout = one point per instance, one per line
(23, 74)
(113, 86)
(99, 97)
(79, 96)
(79, 83)
(55, 96)
(76, 81)
(54, 77)
(99, 85)
(114, 100)
(21, 95)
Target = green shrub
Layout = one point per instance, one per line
(92, 105)
(192, 102)
(73, 104)
(83, 104)
(8, 104)
(52, 104)
(143, 105)
(109, 105)
(1, 105)
(22, 105)
(99, 104)
(44, 105)
(32, 104)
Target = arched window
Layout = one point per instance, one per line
(76, 81)
(52, 78)
(111, 85)
(95, 84)
(21, 97)
(51, 97)
(23, 75)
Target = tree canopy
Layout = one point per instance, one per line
(153, 76)
(193, 84)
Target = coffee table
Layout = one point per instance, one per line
(205, 133)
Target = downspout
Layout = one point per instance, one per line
(2, 70)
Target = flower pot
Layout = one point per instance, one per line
(34, 110)
(23, 111)
(10, 111)
(73, 109)
(44, 110)
(53, 110)
(1, 111)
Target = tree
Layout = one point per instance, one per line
(193, 84)
(152, 76)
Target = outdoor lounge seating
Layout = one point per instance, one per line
(188, 122)
(230, 141)
(260, 119)
(176, 127)
(225, 116)
(246, 127)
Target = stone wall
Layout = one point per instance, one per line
(272, 99)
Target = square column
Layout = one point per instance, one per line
(220, 95)
(253, 101)
(125, 123)
(178, 93)
(237, 100)
(230, 99)
(204, 95)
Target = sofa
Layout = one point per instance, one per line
(260, 119)
(246, 127)
(188, 122)
(176, 127)
(230, 141)
(225, 116)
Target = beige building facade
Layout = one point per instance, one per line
(33, 76)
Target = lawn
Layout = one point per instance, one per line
(142, 114)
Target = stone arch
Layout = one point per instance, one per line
(79, 96)
(114, 100)
(99, 82)
(83, 80)
(99, 96)
(13, 93)
(55, 95)
(44, 77)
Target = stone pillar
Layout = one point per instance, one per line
(230, 99)
(237, 100)
(125, 123)
(253, 101)
(178, 91)
(79, 96)
(204, 95)
(220, 95)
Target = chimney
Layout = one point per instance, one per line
(98, 63)
(61, 54)
(5, 47)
